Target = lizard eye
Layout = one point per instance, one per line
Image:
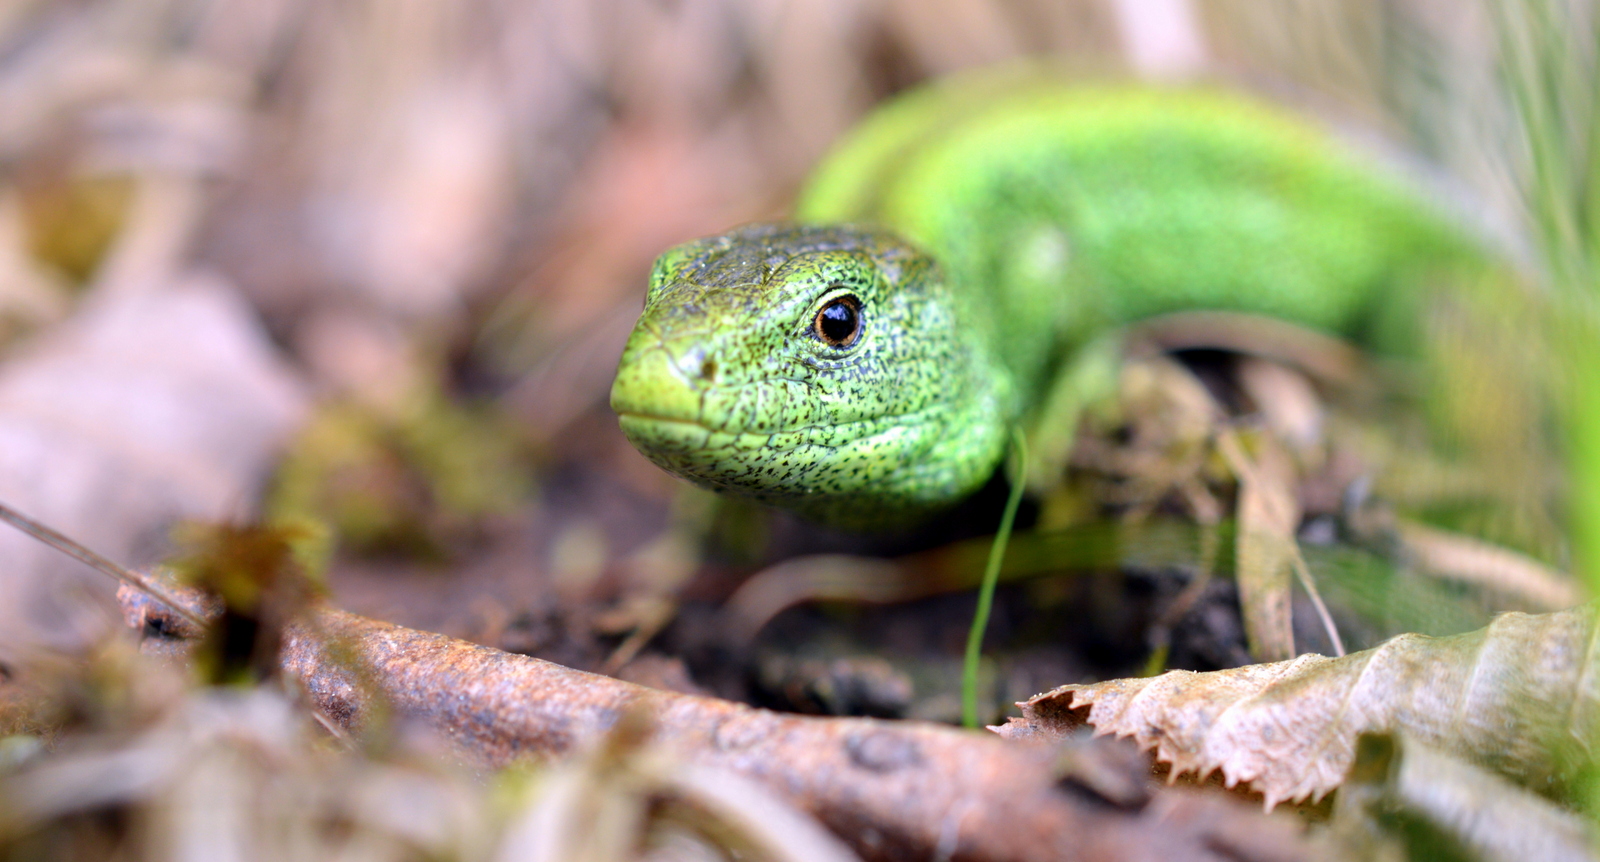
(838, 324)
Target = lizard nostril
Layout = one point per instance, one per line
(695, 368)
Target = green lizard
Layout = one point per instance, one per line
(863, 364)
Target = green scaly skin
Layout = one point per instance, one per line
(1054, 213)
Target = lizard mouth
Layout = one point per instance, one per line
(629, 415)
(690, 449)
(652, 433)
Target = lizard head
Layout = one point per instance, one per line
(821, 369)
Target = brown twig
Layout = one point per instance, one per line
(893, 790)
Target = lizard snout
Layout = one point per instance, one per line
(657, 382)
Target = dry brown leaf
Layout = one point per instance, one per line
(1269, 512)
(1472, 561)
(30, 294)
(137, 412)
(1151, 440)
(1520, 696)
(1473, 809)
(1287, 402)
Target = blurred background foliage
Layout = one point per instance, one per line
(382, 179)
(444, 211)
(410, 189)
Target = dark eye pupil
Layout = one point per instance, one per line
(839, 322)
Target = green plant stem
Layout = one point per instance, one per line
(991, 577)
